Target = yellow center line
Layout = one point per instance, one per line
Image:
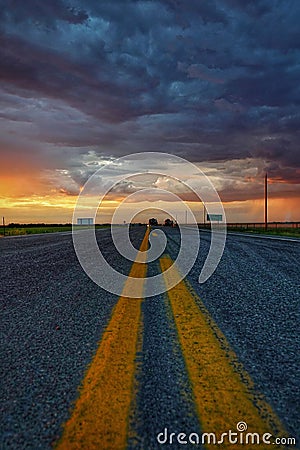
(224, 392)
(100, 416)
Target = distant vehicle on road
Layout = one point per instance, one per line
(153, 221)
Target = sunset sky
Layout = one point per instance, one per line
(216, 82)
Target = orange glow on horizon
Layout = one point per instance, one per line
(58, 208)
(25, 198)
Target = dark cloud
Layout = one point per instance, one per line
(205, 11)
(210, 81)
(254, 8)
(42, 14)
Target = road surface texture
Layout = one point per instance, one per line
(83, 368)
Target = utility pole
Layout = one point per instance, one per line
(204, 212)
(3, 222)
(186, 217)
(266, 201)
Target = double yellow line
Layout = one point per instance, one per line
(224, 394)
(100, 416)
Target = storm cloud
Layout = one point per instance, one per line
(211, 81)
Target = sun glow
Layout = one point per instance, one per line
(46, 197)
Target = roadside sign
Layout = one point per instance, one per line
(214, 217)
(85, 221)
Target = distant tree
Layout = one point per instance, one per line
(168, 223)
(153, 221)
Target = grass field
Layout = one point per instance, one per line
(23, 230)
(17, 231)
(289, 231)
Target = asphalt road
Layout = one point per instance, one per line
(254, 296)
(53, 318)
